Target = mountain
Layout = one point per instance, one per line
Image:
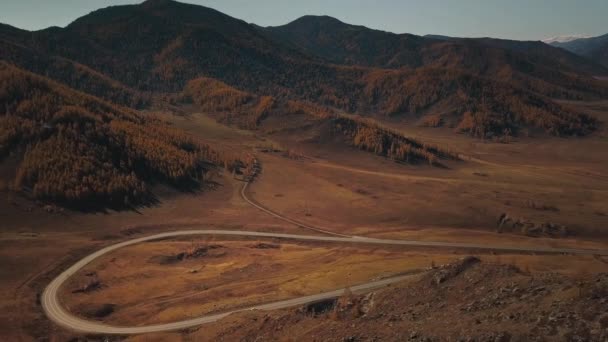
(564, 39)
(594, 48)
(233, 106)
(485, 87)
(343, 43)
(158, 46)
(71, 73)
(80, 151)
(532, 66)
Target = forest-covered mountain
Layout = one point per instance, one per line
(126, 53)
(78, 150)
(342, 43)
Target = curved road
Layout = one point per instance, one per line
(54, 310)
(56, 313)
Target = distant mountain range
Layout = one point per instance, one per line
(129, 54)
(594, 48)
(564, 39)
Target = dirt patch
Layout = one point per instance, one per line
(541, 206)
(90, 286)
(363, 192)
(320, 307)
(131, 231)
(106, 237)
(263, 245)
(191, 253)
(99, 312)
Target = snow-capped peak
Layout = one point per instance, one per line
(564, 39)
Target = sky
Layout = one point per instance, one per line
(509, 19)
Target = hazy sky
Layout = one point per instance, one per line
(513, 19)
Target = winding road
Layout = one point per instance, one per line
(54, 310)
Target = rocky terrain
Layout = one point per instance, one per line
(465, 301)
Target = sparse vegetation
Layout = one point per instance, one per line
(541, 206)
(531, 228)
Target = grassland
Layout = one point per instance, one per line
(326, 184)
(166, 281)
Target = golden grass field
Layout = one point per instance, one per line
(235, 274)
(232, 274)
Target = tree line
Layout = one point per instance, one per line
(78, 150)
(233, 106)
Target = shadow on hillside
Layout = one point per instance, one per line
(147, 200)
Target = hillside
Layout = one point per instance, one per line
(235, 107)
(160, 45)
(74, 149)
(73, 74)
(467, 300)
(157, 47)
(536, 52)
(533, 66)
(477, 106)
(343, 43)
(594, 48)
(483, 107)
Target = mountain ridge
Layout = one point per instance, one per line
(157, 47)
(594, 48)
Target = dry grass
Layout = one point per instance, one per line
(336, 187)
(541, 179)
(232, 274)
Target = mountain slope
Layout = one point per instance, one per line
(343, 43)
(481, 107)
(534, 66)
(233, 106)
(466, 300)
(71, 73)
(595, 48)
(74, 149)
(159, 46)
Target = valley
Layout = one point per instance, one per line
(169, 172)
(345, 176)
